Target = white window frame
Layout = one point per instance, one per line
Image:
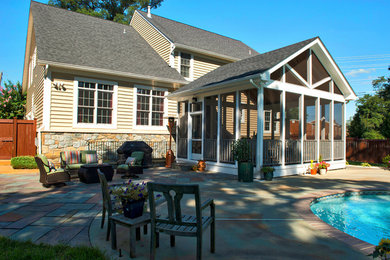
(270, 121)
(191, 78)
(165, 114)
(95, 125)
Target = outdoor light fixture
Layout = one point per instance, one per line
(170, 157)
(194, 99)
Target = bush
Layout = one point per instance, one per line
(23, 162)
(386, 160)
(365, 164)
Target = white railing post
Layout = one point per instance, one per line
(301, 120)
(219, 129)
(282, 125)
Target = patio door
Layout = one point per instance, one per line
(196, 131)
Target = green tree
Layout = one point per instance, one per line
(12, 101)
(119, 11)
(372, 117)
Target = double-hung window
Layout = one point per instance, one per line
(150, 107)
(267, 121)
(95, 103)
(185, 65)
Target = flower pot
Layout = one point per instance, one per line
(313, 171)
(201, 165)
(268, 176)
(133, 208)
(322, 171)
(245, 171)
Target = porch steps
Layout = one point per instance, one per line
(182, 166)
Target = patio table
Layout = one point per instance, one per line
(88, 173)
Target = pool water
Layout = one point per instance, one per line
(366, 216)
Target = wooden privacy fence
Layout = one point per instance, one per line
(365, 150)
(17, 138)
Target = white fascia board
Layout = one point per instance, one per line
(109, 72)
(154, 27)
(205, 52)
(27, 52)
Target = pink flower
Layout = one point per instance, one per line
(4, 105)
(9, 91)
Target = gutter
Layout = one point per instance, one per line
(110, 72)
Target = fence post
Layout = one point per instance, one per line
(14, 137)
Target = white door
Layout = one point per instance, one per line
(196, 131)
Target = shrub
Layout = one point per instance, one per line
(23, 162)
(241, 150)
(365, 164)
(386, 160)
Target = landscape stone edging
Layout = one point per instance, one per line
(302, 206)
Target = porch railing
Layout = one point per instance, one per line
(326, 149)
(182, 148)
(107, 150)
(338, 149)
(309, 150)
(293, 151)
(226, 154)
(272, 152)
(210, 149)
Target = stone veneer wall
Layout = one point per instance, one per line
(53, 143)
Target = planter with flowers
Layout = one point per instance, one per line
(132, 196)
(323, 167)
(313, 169)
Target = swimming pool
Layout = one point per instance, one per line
(364, 215)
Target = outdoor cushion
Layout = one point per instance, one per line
(71, 157)
(91, 158)
(74, 166)
(52, 167)
(45, 162)
(56, 171)
(139, 157)
(131, 161)
(123, 167)
(86, 153)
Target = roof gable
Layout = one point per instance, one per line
(68, 37)
(187, 36)
(268, 63)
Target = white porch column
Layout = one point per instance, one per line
(301, 122)
(318, 128)
(344, 129)
(238, 117)
(331, 130)
(283, 125)
(203, 126)
(219, 129)
(260, 129)
(189, 132)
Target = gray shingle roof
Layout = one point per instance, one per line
(78, 39)
(243, 68)
(197, 38)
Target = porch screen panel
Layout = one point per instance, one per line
(338, 140)
(325, 142)
(228, 126)
(309, 123)
(211, 128)
(248, 121)
(272, 146)
(293, 129)
(182, 129)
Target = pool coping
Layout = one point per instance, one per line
(302, 207)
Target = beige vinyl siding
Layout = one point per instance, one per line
(155, 39)
(61, 110)
(36, 88)
(62, 107)
(203, 66)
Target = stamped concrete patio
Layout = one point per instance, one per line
(268, 220)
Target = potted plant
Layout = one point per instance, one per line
(313, 169)
(323, 167)
(132, 196)
(242, 154)
(268, 173)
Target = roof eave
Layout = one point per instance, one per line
(27, 51)
(109, 72)
(205, 52)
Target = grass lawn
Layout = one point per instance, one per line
(12, 249)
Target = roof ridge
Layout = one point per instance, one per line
(189, 26)
(91, 16)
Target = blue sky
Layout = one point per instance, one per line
(355, 32)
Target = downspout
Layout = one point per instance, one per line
(40, 139)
